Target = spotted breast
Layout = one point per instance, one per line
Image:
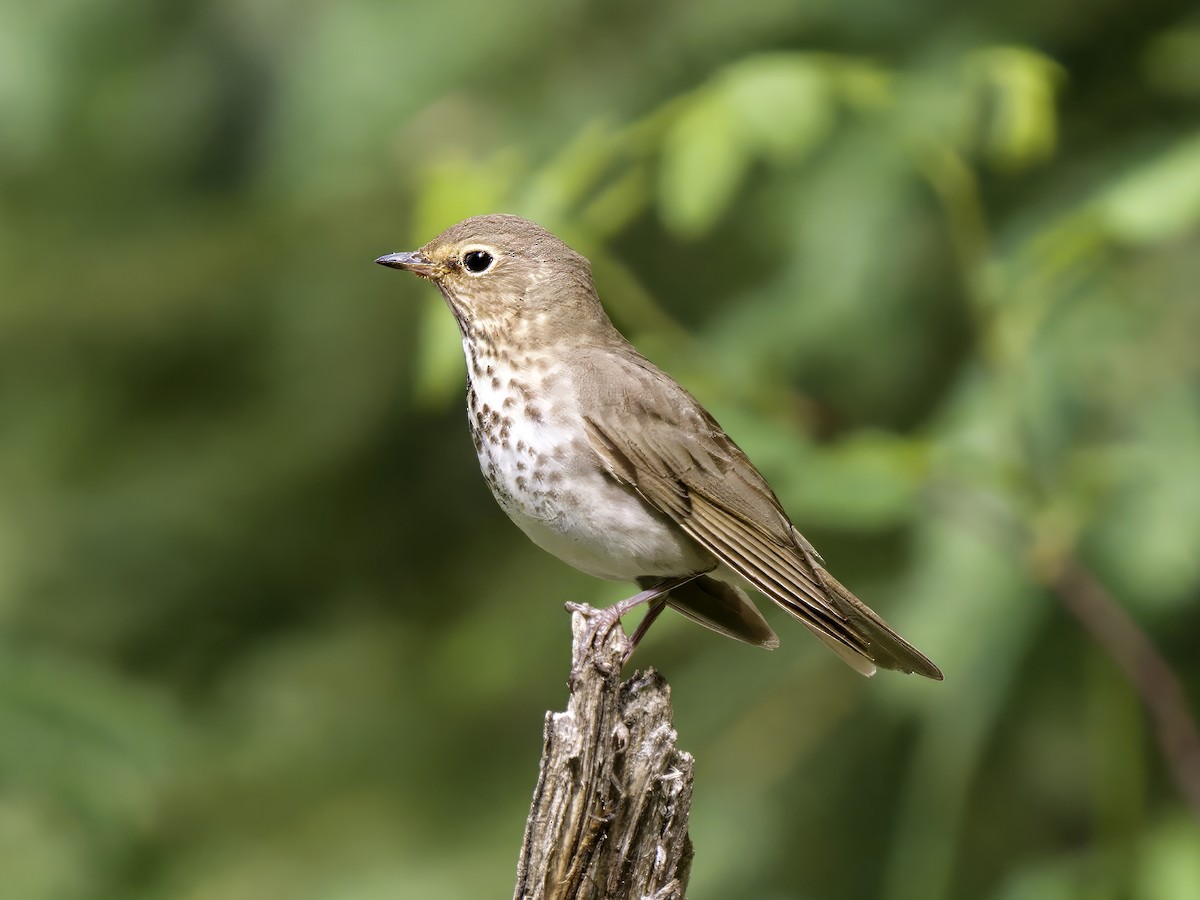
(530, 442)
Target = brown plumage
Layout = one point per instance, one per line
(608, 463)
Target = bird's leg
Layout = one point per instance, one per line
(656, 607)
(604, 620)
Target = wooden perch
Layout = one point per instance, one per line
(610, 811)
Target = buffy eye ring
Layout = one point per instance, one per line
(477, 261)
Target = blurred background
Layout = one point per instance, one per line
(263, 631)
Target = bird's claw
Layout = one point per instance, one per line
(601, 624)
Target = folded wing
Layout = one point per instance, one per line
(658, 439)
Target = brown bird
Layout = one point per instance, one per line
(606, 462)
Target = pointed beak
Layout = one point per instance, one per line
(412, 262)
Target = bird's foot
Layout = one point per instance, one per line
(590, 647)
(591, 650)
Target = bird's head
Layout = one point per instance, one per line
(501, 273)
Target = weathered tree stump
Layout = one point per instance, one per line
(610, 811)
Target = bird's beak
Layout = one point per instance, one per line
(412, 262)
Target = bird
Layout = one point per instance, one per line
(608, 463)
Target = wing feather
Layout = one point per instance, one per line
(674, 454)
(764, 564)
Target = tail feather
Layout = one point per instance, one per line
(886, 648)
(724, 608)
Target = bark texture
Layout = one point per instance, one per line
(610, 811)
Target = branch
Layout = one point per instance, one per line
(1102, 616)
(610, 810)
(1082, 593)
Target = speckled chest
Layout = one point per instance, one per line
(519, 414)
(528, 430)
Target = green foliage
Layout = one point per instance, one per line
(777, 107)
(263, 633)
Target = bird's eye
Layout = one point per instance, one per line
(477, 261)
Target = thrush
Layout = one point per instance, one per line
(608, 463)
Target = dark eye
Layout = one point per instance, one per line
(477, 261)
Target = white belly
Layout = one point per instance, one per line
(549, 482)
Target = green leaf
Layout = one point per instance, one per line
(1169, 868)
(1157, 201)
(704, 159)
(783, 103)
(1022, 130)
(778, 106)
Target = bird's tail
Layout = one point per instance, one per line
(723, 607)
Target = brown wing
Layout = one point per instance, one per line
(722, 607)
(654, 436)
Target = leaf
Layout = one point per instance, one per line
(1169, 867)
(1022, 130)
(783, 103)
(1157, 201)
(704, 159)
(777, 106)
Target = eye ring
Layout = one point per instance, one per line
(476, 262)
